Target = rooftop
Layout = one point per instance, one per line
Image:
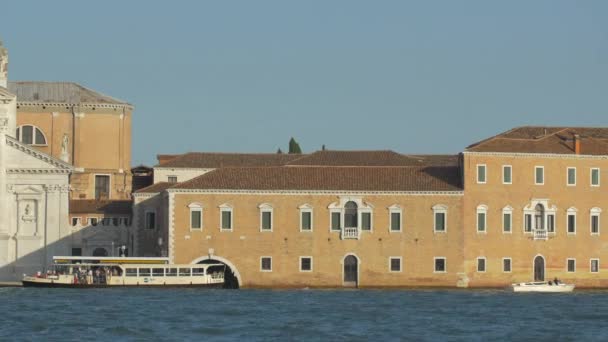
(68, 93)
(109, 207)
(210, 160)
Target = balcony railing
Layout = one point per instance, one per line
(350, 233)
(540, 234)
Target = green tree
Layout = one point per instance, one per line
(294, 147)
(279, 151)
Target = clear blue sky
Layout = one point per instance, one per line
(245, 76)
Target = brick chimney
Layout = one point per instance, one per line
(577, 144)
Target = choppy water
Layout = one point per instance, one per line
(308, 315)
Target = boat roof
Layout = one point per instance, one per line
(110, 260)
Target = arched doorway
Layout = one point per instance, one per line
(351, 271)
(539, 268)
(100, 252)
(232, 277)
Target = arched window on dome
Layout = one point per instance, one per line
(30, 135)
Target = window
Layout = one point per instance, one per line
(481, 218)
(144, 272)
(595, 265)
(226, 217)
(172, 179)
(571, 221)
(595, 177)
(150, 220)
(30, 135)
(92, 221)
(595, 221)
(158, 272)
(196, 218)
(440, 213)
(335, 220)
(507, 219)
(131, 272)
(506, 265)
(185, 272)
(77, 251)
(350, 214)
(198, 271)
(528, 223)
(75, 221)
(481, 264)
(551, 223)
(539, 175)
(394, 264)
(539, 217)
(266, 264)
(265, 217)
(481, 173)
(305, 264)
(395, 218)
(506, 174)
(106, 221)
(115, 221)
(170, 272)
(571, 176)
(440, 265)
(366, 221)
(571, 265)
(305, 218)
(102, 187)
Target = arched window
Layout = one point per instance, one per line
(350, 214)
(30, 135)
(539, 217)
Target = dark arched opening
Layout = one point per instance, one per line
(230, 279)
(350, 214)
(100, 252)
(539, 268)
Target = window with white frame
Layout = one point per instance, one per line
(482, 212)
(571, 265)
(539, 175)
(30, 135)
(506, 265)
(150, 220)
(551, 223)
(571, 221)
(335, 216)
(92, 221)
(595, 176)
(305, 264)
(394, 264)
(507, 219)
(528, 223)
(481, 264)
(440, 215)
(366, 220)
(481, 173)
(507, 177)
(305, 218)
(440, 264)
(172, 179)
(571, 181)
(265, 217)
(196, 216)
(595, 221)
(266, 264)
(226, 217)
(395, 213)
(595, 265)
(350, 212)
(75, 221)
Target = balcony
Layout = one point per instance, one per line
(350, 233)
(540, 234)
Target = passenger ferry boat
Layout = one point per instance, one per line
(70, 271)
(542, 286)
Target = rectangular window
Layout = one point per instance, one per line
(172, 179)
(481, 264)
(571, 224)
(76, 251)
(131, 272)
(539, 175)
(102, 187)
(395, 221)
(196, 219)
(571, 265)
(506, 222)
(394, 264)
(506, 265)
(595, 265)
(158, 272)
(75, 221)
(305, 220)
(481, 174)
(595, 224)
(551, 223)
(335, 220)
(528, 223)
(27, 134)
(226, 223)
(144, 272)
(171, 272)
(198, 272)
(440, 265)
(151, 220)
(571, 176)
(185, 272)
(595, 177)
(506, 174)
(93, 221)
(266, 264)
(366, 221)
(305, 264)
(440, 222)
(266, 220)
(481, 222)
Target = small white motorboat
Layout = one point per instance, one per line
(542, 286)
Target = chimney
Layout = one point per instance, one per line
(577, 144)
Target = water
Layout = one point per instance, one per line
(304, 315)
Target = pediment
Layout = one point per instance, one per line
(23, 158)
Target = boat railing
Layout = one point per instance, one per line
(540, 234)
(350, 233)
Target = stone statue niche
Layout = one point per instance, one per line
(27, 218)
(65, 155)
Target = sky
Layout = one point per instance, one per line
(244, 76)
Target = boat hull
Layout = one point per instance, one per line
(27, 283)
(542, 288)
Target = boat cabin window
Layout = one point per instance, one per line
(198, 271)
(131, 272)
(171, 272)
(144, 272)
(158, 272)
(184, 272)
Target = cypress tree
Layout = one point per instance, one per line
(279, 151)
(294, 147)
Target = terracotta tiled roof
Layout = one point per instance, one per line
(371, 158)
(216, 160)
(156, 187)
(163, 158)
(111, 207)
(555, 140)
(429, 178)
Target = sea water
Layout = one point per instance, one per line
(146, 314)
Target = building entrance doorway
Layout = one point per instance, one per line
(100, 252)
(539, 268)
(351, 271)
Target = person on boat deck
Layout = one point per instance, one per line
(556, 281)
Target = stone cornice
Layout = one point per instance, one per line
(81, 105)
(38, 171)
(316, 192)
(536, 155)
(37, 154)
